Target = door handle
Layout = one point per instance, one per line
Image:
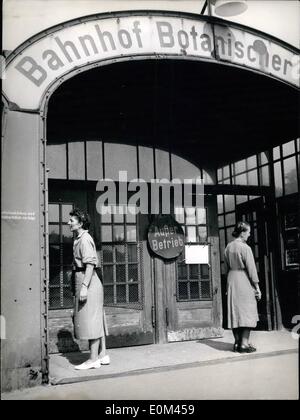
(167, 317)
(153, 316)
(216, 290)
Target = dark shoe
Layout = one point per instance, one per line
(235, 347)
(246, 349)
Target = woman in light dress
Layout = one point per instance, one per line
(242, 288)
(89, 317)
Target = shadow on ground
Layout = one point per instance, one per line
(217, 345)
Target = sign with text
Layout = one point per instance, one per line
(166, 237)
(70, 47)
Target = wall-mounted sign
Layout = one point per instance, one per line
(51, 55)
(197, 254)
(166, 237)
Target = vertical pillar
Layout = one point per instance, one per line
(21, 348)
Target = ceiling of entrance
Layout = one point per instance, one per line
(208, 113)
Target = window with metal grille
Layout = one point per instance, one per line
(60, 256)
(121, 258)
(193, 280)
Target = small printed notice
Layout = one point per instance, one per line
(196, 254)
(17, 215)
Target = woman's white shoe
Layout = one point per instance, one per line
(89, 365)
(105, 360)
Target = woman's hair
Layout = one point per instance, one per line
(82, 217)
(239, 228)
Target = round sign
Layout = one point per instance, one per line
(166, 237)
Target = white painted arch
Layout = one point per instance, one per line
(58, 53)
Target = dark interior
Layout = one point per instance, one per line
(209, 113)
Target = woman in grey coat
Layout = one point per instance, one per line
(242, 288)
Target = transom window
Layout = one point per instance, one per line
(193, 280)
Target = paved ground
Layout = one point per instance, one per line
(130, 360)
(266, 378)
(204, 369)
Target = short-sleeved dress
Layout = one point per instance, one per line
(242, 276)
(89, 316)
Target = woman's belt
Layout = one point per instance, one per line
(78, 269)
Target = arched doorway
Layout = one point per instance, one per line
(25, 215)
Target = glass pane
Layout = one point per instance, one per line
(108, 294)
(230, 219)
(251, 162)
(121, 273)
(191, 234)
(255, 235)
(288, 148)
(220, 174)
(298, 144)
(54, 254)
(278, 179)
(108, 274)
(54, 297)
(179, 214)
(106, 235)
(220, 204)
(119, 233)
(201, 216)
(53, 215)
(221, 221)
(66, 209)
(54, 234)
(107, 252)
(131, 216)
(194, 271)
(133, 273)
(205, 289)
(67, 254)
(202, 232)
(132, 253)
(290, 175)
(229, 202)
(276, 153)
(182, 290)
(263, 158)
(194, 290)
(67, 297)
(241, 199)
(182, 271)
(190, 215)
(121, 294)
(133, 293)
(264, 176)
(204, 271)
(239, 167)
(131, 233)
(120, 253)
(252, 178)
(240, 179)
(67, 235)
(106, 214)
(54, 275)
(226, 172)
(119, 216)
